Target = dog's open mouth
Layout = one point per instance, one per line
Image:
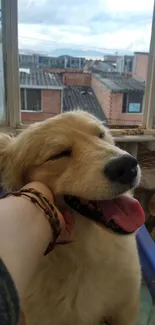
(123, 214)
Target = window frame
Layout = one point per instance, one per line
(149, 95)
(10, 50)
(11, 66)
(4, 118)
(25, 100)
(127, 100)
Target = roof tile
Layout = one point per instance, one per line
(121, 84)
(39, 78)
(82, 97)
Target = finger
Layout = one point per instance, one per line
(69, 222)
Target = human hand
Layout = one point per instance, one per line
(66, 220)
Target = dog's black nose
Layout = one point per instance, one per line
(123, 169)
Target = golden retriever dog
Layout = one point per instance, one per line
(96, 278)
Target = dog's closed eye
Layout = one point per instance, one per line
(65, 153)
(101, 135)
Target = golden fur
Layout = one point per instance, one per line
(95, 278)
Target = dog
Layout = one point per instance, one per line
(96, 278)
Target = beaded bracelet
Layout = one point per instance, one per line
(49, 211)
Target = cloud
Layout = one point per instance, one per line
(45, 24)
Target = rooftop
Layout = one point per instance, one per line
(89, 65)
(82, 97)
(104, 66)
(126, 57)
(39, 79)
(121, 84)
(142, 53)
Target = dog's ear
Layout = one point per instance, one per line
(5, 151)
(5, 141)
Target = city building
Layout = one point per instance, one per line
(114, 98)
(121, 99)
(124, 64)
(88, 66)
(140, 65)
(44, 61)
(103, 66)
(76, 79)
(111, 58)
(41, 95)
(99, 65)
(46, 94)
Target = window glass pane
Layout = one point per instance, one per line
(134, 107)
(33, 100)
(22, 93)
(124, 102)
(103, 52)
(135, 102)
(132, 102)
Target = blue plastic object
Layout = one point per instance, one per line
(146, 248)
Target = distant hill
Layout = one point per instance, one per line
(76, 52)
(65, 51)
(72, 52)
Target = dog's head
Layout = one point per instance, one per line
(73, 154)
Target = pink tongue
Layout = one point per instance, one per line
(125, 211)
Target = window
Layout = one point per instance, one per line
(31, 100)
(124, 102)
(134, 107)
(43, 61)
(132, 102)
(32, 41)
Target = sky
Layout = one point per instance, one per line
(106, 25)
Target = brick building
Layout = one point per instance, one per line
(41, 95)
(118, 99)
(140, 65)
(72, 77)
(76, 79)
(121, 99)
(46, 94)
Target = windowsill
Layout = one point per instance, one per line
(128, 133)
(27, 111)
(122, 135)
